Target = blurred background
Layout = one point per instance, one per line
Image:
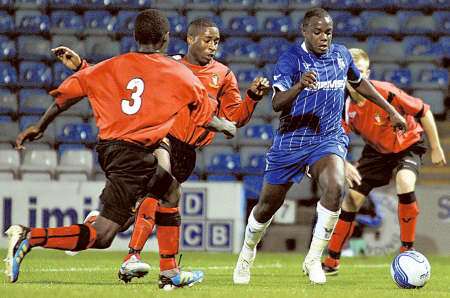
(408, 42)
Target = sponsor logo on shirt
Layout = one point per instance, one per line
(329, 85)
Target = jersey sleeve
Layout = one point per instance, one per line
(231, 105)
(410, 105)
(71, 89)
(284, 73)
(353, 74)
(201, 109)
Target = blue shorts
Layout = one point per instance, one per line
(284, 166)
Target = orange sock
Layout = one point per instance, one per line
(168, 234)
(75, 237)
(408, 210)
(143, 224)
(342, 231)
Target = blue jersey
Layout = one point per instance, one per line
(315, 114)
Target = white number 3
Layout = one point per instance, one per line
(132, 107)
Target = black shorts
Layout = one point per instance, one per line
(376, 169)
(182, 158)
(128, 169)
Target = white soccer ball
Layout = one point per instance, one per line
(410, 270)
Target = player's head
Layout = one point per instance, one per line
(362, 61)
(317, 29)
(203, 40)
(151, 29)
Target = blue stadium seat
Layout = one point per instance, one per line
(252, 186)
(221, 178)
(130, 4)
(26, 121)
(433, 97)
(125, 22)
(34, 48)
(297, 19)
(7, 48)
(30, 4)
(9, 130)
(63, 4)
(380, 23)
(98, 22)
(178, 23)
(414, 22)
(246, 76)
(177, 46)
(66, 22)
(5, 119)
(400, 77)
(340, 4)
(69, 41)
(443, 46)
(373, 4)
(377, 70)
(253, 160)
(34, 101)
(82, 109)
(238, 4)
(256, 134)
(432, 79)
(168, 4)
(63, 147)
(242, 25)
(304, 4)
(385, 49)
(277, 26)
(224, 163)
(414, 4)
(60, 73)
(273, 47)
(346, 24)
(419, 48)
(442, 19)
(95, 4)
(32, 22)
(6, 4)
(436, 4)
(271, 4)
(195, 14)
(8, 75)
(6, 22)
(99, 48)
(35, 74)
(242, 50)
(203, 4)
(76, 133)
(127, 44)
(8, 102)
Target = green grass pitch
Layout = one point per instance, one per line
(94, 274)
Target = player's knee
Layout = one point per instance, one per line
(103, 240)
(405, 181)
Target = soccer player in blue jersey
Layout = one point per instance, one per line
(309, 81)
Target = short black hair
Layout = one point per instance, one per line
(314, 12)
(197, 25)
(150, 26)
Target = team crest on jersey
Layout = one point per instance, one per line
(306, 65)
(352, 114)
(341, 63)
(379, 120)
(214, 81)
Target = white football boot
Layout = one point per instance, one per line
(241, 273)
(312, 267)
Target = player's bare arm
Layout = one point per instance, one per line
(368, 91)
(282, 99)
(68, 57)
(429, 126)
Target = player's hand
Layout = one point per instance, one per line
(438, 156)
(398, 122)
(352, 175)
(309, 80)
(68, 57)
(260, 86)
(30, 134)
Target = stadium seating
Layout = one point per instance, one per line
(60, 73)
(413, 22)
(434, 97)
(34, 101)
(71, 42)
(346, 24)
(66, 22)
(32, 22)
(98, 22)
(6, 22)
(35, 74)
(131, 4)
(64, 4)
(178, 23)
(76, 161)
(33, 48)
(101, 48)
(177, 46)
(256, 134)
(8, 103)
(9, 161)
(39, 161)
(271, 4)
(7, 48)
(381, 23)
(8, 75)
(125, 22)
(253, 159)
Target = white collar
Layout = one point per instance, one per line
(304, 47)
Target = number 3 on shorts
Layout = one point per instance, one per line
(132, 107)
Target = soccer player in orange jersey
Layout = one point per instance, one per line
(387, 154)
(177, 153)
(135, 98)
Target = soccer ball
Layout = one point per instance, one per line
(410, 270)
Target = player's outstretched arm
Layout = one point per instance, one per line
(68, 57)
(222, 125)
(368, 91)
(429, 126)
(282, 99)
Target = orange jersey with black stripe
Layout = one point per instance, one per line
(373, 124)
(136, 97)
(224, 98)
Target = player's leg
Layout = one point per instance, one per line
(144, 223)
(271, 198)
(408, 209)
(329, 173)
(89, 220)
